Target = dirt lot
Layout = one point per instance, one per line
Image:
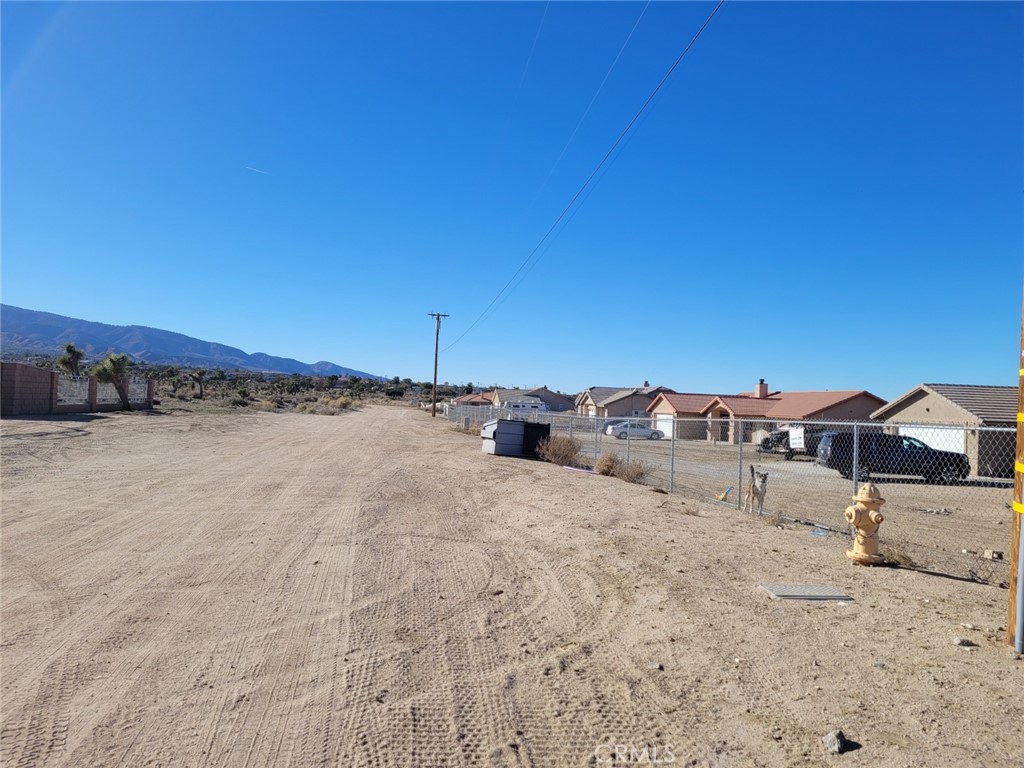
(930, 524)
(369, 589)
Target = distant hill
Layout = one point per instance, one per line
(25, 330)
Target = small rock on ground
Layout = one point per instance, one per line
(835, 742)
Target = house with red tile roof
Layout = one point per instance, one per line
(762, 410)
(684, 410)
(477, 398)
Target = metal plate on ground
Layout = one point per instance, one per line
(803, 592)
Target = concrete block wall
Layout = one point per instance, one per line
(25, 389)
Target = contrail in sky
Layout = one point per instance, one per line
(256, 170)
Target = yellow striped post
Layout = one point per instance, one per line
(1015, 616)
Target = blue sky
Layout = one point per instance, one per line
(825, 195)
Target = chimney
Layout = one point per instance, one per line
(761, 390)
(646, 383)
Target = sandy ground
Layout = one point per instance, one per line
(370, 589)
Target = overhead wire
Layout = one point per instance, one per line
(592, 175)
(529, 57)
(586, 111)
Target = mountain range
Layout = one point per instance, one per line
(29, 331)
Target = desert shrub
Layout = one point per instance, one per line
(561, 450)
(607, 464)
(239, 402)
(895, 550)
(633, 471)
(338, 403)
(472, 429)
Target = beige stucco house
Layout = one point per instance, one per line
(476, 398)
(587, 401)
(715, 417)
(612, 402)
(917, 413)
(538, 399)
(685, 409)
(763, 415)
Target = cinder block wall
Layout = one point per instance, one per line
(25, 389)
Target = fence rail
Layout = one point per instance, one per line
(947, 487)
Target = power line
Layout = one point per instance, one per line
(591, 104)
(594, 173)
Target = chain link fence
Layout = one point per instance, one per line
(947, 488)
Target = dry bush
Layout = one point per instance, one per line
(561, 450)
(633, 471)
(607, 464)
(895, 550)
(338, 403)
(472, 429)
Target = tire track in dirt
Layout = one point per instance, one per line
(199, 578)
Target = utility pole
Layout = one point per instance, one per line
(437, 337)
(1015, 616)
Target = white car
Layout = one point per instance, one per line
(624, 429)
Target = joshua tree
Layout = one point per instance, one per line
(199, 377)
(114, 370)
(71, 360)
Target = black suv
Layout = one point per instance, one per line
(891, 455)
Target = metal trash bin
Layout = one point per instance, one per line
(508, 437)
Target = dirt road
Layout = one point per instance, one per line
(370, 590)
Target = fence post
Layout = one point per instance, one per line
(738, 424)
(627, 446)
(672, 456)
(855, 467)
(570, 427)
(92, 394)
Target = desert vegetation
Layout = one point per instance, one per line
(212, 389)
(632, 471)
(71, 360)
(561, 450)
(113, 369)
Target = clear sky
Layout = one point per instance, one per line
(825, 195)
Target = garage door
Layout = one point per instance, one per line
(949, 439)
(664, 425)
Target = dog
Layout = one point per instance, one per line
(756, 489)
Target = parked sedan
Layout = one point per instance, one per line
(624, 429)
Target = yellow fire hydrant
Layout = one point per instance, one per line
(865, 517)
